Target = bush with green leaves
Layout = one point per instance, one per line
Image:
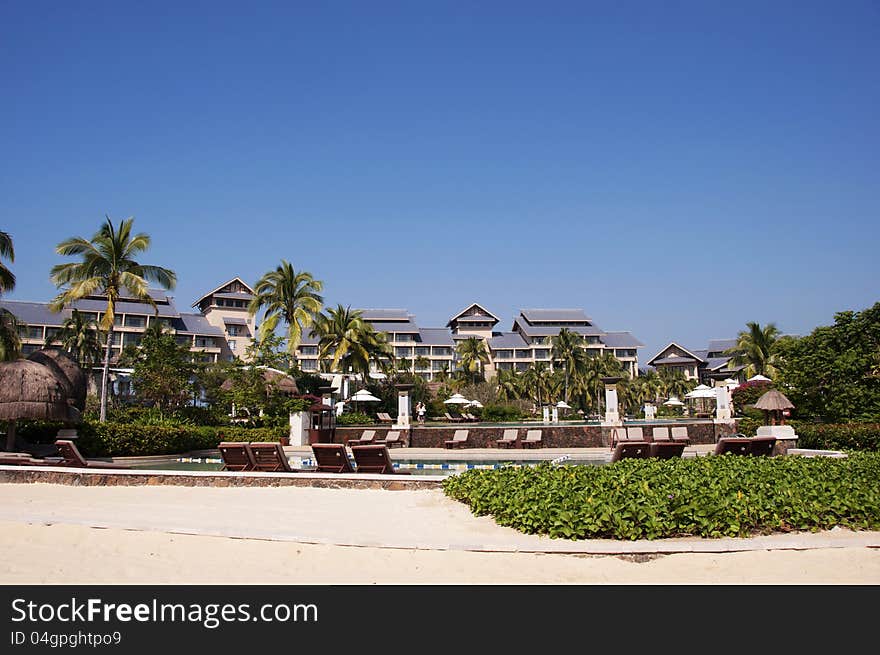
(500, 413)
(354, 418)
(839, 436)
(710, 496)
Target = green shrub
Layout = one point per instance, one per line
(500, 413)
(126, 439)
(354, 418)
(838, 436)
(748, 393)
(711, 496)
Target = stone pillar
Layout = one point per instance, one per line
(612, 415)
(545, 414)
(722, 404)
(650, 412)
(555, 414)
(299, 428)
(326, 395)
(403, 409)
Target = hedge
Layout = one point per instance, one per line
(711, 496)
(838, 436)
(125, 439)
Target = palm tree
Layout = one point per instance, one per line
(10, 342)
(289, 295)
(421, 363)
(568, 349)
(756, 350)
(7, 251)
(508, 385)
(675, 383)
(537, 379)
(81, 337)
(473, 356)
(109, 268)
(652, 384)
(349, 341)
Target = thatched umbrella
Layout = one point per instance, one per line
(281, 381)
(29, 390)
(66, 370)
(772, 402)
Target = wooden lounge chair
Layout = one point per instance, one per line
(634, 449)
(470, 417)
(70, 456)
(508, 439)
(332, 458)
(452, 419)
(660, 434)
(392, 438)
(763, 446)
(26, 459)
(269, 457)
(533, 439)
(733, 446)
(236, 456)
(617, 435)
(635, 434)
(666, 449)
(374, 459)
(681, 434)
(384, 417)
(367, 437)
(459, 439)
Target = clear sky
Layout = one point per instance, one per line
(673, 168)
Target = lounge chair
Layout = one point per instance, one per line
(236, 456)
(660, 435)
(269, 457)
(452, 419)
(374, 459)
(763, 446)
(384, 417)
(635, 434)
(733, 446)
(532, 440)
(470, 417)
(508, 439)
(367, 437)
(617, 435)
(666, 449)
(392, 438)
(634, 449)
(681, 434)
(459, 439)
(70, 456)
(26, 459)
(332, 458)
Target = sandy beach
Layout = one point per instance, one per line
(172, 535)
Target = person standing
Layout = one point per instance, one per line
(420, 411)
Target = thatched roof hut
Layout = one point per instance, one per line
(68, 371)
(29, 390)
(282, 381)
(772, 401)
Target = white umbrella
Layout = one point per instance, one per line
(563, 405)
(365, 396)
(456, 399)
(475, 403)
(673, 401)
(758, 378)
(704, 392)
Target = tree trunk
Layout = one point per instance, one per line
(10, 436)
(105, 374)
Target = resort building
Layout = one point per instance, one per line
(226, 308)
(430, 351)
(703, 365)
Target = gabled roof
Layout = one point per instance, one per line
(435, 337)
(196, 324)
(552, 330)
(501, 340)
(669, 345)
(485, 312)
(227, 283)
(385, 314)
(167, 310)
(720, 345)
(621, 340)
(35, 313)
(542, 315)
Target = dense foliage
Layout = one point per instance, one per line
(834, 372)
(712, 496)
(847, 436)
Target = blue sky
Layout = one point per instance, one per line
(675, 169)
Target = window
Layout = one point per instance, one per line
(522, 366)
(442, 352)
(52, 332)
(523, 354)
(135, 321)
(504, 366)
(28, 348)
(503, 354)
(233, 330)
(625, 352)
(402, 352)
(30, 332)
(204, 342)
(439, 366)
(132, 339)
(308, 350)
(183, 340)
(542, 353)
(231, 343)
(423, 352)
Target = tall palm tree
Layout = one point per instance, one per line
(473, 356)
(10, 341)
(7, 251)
(109, 268)
(289, 295)
(536, 379)
(81, 337)
(568, 350)
(756, 350)
(348, 341)
(675, 383)
(508, 385)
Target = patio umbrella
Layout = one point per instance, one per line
(457, 399)
(674, 402)
(772, 402)
(759, 378)
(475, 403)
(563, 405)
(29, 390)
(363, 396)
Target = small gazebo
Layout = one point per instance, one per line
(68, 372)
(774, 403)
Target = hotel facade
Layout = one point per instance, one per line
(222, 329)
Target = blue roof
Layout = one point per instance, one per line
(553, 330)
(621, 340)
(34, 313)
(436, 336)
(145, 309)
(196, 324)
(503, 340)
(720, 345)
(541, 315)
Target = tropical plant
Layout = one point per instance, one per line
(348, 342)
(10, 341)
(675, 383)
(268, 351)
(288, 295)
(508, 384)
(81, 337)
(536, 381)
(756, 350)
(7, 251)
(569, 351)
(473, 357)
(109, 268)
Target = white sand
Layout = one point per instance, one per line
(169, 535)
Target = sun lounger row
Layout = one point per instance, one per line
(658, 435)
(510, 438)
(743, 445)
(368, 437)
(269, 457)
(68, 455)
(463, 417)
(645, 449)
